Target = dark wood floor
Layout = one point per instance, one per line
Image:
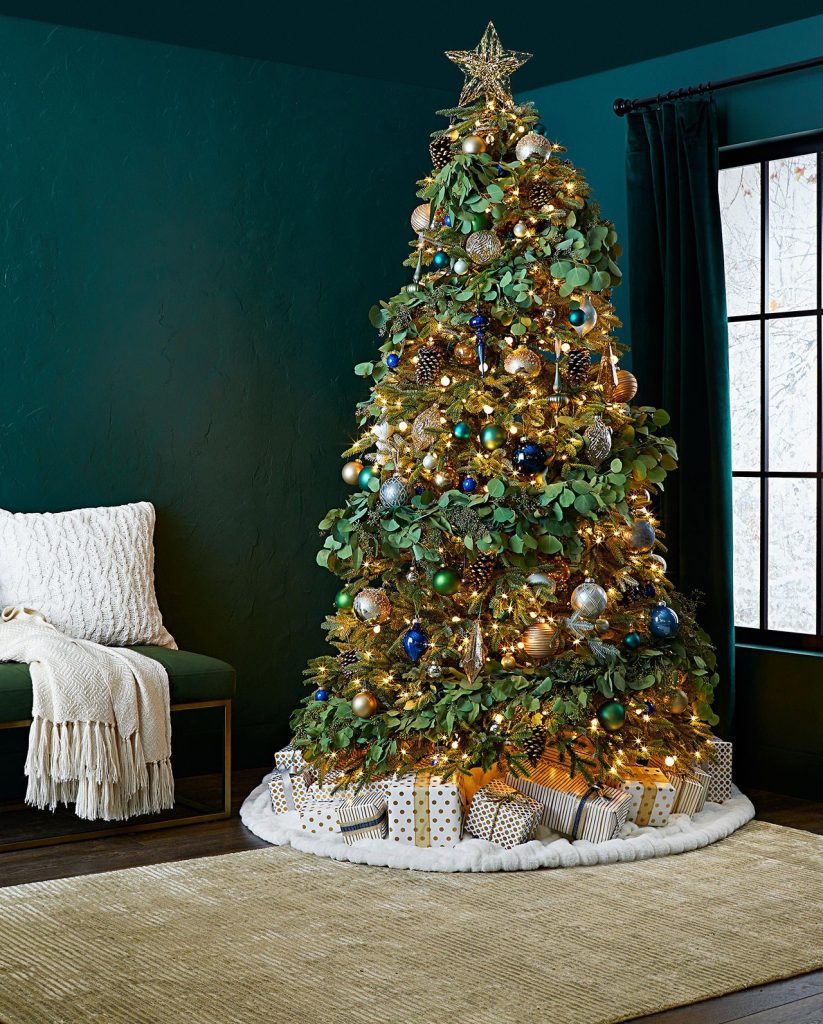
(794, 1001)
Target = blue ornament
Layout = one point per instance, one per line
(577, 318)
(530, 457)
(321, 694)
(663, 621)
(478, 321)
(392, 360)
(649, 708)
(468, 484)
(447, 221)
(441, 259)
(418, 489)
(415, 641)
(649, 590)
(501, 170)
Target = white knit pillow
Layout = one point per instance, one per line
(90, 572)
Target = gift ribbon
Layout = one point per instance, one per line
(288, 789)
(593, 791)
(500, 799)
(422, 824)
(374, 823)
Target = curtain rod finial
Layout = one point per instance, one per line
(621, 107)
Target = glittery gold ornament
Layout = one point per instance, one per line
(532, 144)
(522, 362)
(487, 68)
(678, 702)
(351, 471)
(464, 353)
(625, 389)
(364, 704)
(444, 480)
(483, 247)
(508, 661)
(421, 217)
(372, 605)
(540, 640)
(473, 144)
(425, 428)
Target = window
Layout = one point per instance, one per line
(770, 199)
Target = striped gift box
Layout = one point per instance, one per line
(362, 817)
(571, 806)
(690, 791)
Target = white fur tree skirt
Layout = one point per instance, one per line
(547, 851)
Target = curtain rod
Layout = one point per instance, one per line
(622, 107)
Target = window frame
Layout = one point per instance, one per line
(762, 153)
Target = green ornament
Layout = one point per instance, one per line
(481, 221)
(492, 437)
(462, 431)
(446, 581)
(611, 715)
(365, 476)
(633, 640)
(343, 600)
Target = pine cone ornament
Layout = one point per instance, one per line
(348, 660)
(478, 575)
(429, 365)
(534, 745)
(578, 364)
(539, 195)
(441, 152)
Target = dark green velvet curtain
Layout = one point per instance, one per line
(679, 349)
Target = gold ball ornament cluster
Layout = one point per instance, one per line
(540, 640)
(364, 704)
(483, 247)
(522, 362)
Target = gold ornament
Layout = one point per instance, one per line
(474, 658)
(425, 428)
(351, 471)
(678, 702)
(372, 605)
(626, 387)
(602, 625)
(539, 641)
(364, 704)
(483, 247)
(444, 480)
(487, 68)
(508, 661)
(464, 353)
(532, 144)
(473, 144)
(522, 362)
(520, 230)
(421, 218)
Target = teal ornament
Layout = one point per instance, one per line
(441, 259)
(492, 437)
(321, 694)
(415, 641)
(462, 431)
(611, 715)
(364, 478)
(663, 621)
(577, 318)
(633, 640)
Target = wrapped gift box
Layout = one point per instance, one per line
(426, 811)
(290, 757)
(571, 806)
(653, 795)
(362, 817)
(720, 783)
(319, 816)
(690, 791)
(502, 815)
(327, 789)
(289, 790)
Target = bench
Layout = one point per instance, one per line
(196, 682)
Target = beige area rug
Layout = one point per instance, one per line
(278, 936)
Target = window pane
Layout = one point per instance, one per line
(746, 521)
(740, 216)
(744, 373)
(792, 559)
(792, 346)
(793, 233)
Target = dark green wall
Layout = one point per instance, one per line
(779, 732)
(190, 245)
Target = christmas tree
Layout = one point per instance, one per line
(504, 592)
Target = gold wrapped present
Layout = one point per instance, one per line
(289, 790)
(571, 806)
(362, 817)
(426, 811)
(653, 795)
(690, 791)
(720, 770)
(502, 815)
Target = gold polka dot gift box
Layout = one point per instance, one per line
(571, 806)
(290, 757)
(501, 814)
(330, 788)
(690, 791)
(319, 816)
(652, 795)
(426, 811)
(289, 790)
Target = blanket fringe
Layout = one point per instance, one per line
(90, 765)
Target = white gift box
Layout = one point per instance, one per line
(289, 790)
(653, 796)
(319, 816)
(720, 783)
(426, 811)
(290, 757)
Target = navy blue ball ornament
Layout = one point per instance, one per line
(663, 621)
(642, 536)
(321, 694)
(529, 457)
(577, 318)
(468, 484)
(478, 321)
(392, 360)
(447, 221)
(441, 259)
(415, 642)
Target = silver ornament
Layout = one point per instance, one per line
(434, 671)
(473, 144)
(413, 575)
(598, 438)
(533, 144)
(421, 218)
(590, 314)
(411, 287)
(460, 267)
(661, 561)
(372, 605)
(474, 658)
(522, 362)
(520, 230)
(589, 599)
(394, 492)
(483, 247)
(642, 537)
(429, 461)
(540, 579)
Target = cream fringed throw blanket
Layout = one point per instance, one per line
(101, 731)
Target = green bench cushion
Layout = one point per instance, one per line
(192, 677)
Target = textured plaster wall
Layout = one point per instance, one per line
(190, 244)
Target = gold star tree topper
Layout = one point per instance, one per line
(487, 68)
